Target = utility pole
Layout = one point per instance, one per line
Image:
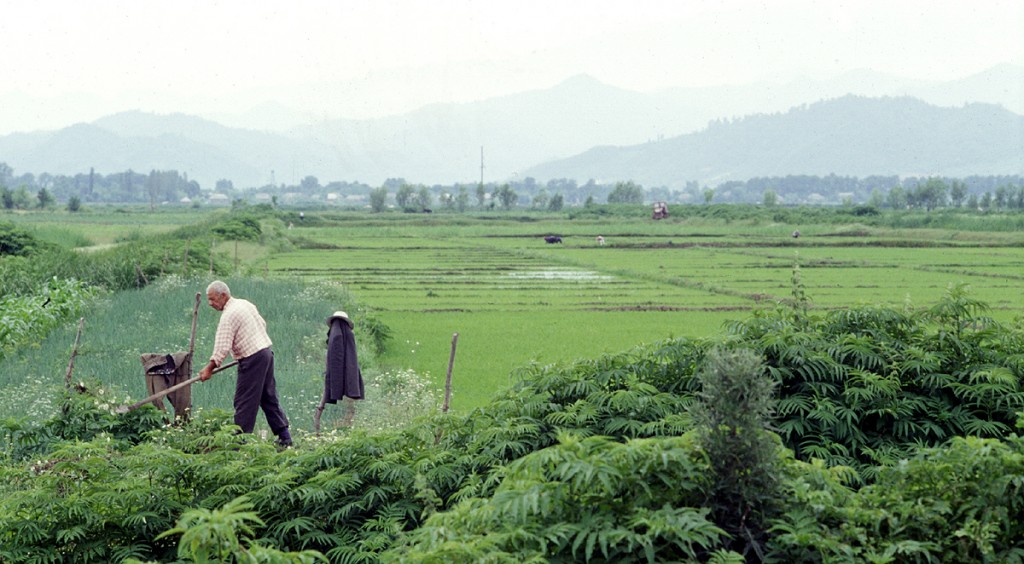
(481, 165)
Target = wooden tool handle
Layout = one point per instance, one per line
(162, 393)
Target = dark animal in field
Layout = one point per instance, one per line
(552, 239)
(796, 234)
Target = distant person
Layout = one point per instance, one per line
(600, 240)
(302, 216)
(242, 332)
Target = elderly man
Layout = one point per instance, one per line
(243, 333)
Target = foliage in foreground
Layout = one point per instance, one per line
(26, 318)
(962, 502)
(732, 416)
(605, 459)
(863, 387)
(582, 499)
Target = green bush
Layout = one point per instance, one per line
(962, 502)
(26, 318)
(625, 457)
(734, 414)
(239, 228)
(583, 499)
(867, 385)
(18, 242)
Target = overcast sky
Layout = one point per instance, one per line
(64, 61)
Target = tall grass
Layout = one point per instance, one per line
(119, 328)
(62, 236)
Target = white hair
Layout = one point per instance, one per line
(219, 288)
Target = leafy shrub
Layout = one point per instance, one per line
(867, 385)
(582, 499)
(378, 333)
(87, 410)
(212, 536)
(24, 318)
(239, 228)
(593, 460)
(733, 414)
(963, 502)
(18, 242)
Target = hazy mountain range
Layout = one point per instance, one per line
(859, 124)
(849, 136)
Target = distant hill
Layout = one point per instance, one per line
(554, 132)
(852, 136)
(440, 143)
(443, 142)
(203, 150)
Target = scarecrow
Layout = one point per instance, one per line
(342, 378)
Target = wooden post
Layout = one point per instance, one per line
(74, 353)
(195, 319)
(184, 264)
(318, 412)
(212, 244)
(191, 351)
(448, 378)
(140, 275)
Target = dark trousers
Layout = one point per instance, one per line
(255, 389)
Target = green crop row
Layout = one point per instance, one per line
(518, 299)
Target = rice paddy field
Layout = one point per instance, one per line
(515, 300)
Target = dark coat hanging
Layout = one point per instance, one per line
(343, 378)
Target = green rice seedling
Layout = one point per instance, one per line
(493, 345)
(429, 280)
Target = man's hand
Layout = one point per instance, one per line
(206, 373)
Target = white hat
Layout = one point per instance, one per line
(342, 316)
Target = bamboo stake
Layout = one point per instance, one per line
(447, 387)
(195, 318)
(448, 378)
(74, 353)
(318, 412)
(140, 275)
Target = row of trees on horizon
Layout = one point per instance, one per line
(170, 187)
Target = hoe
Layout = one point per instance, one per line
(162, 393)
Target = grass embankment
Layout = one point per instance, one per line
(119, 328)
(105, 226)
(148, 289)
